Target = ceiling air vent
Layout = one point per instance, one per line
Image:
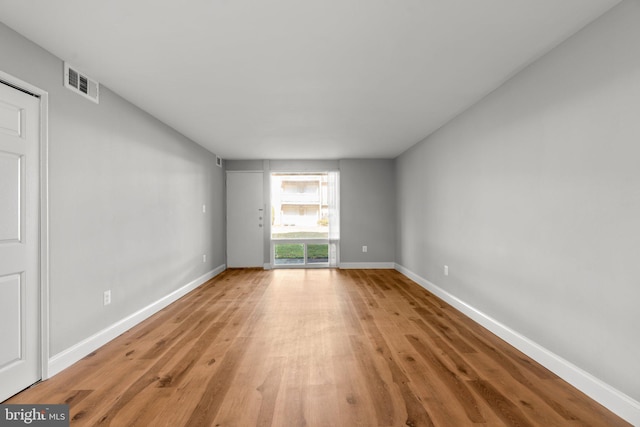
(80, 83)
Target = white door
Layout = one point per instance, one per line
(19, 241)
(245, 219)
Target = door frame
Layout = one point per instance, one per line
(43, 147)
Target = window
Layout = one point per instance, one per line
(304, 219)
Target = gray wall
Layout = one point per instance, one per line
(126, 196)
(367, 206)
(532, 198)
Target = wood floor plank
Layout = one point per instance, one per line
(269, 390)
(500, 404)
(320, 347)
(416, 413)
(450, 378)
(379, 390)
(355, 407)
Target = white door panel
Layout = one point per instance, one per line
(19, 241)
(10, 302)
(10, 118)
(245, 219)
(10, 196)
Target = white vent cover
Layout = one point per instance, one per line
(80, 83)
(219, 161)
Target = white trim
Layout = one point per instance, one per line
(68, 357)
(613, 399)
(44, 233)
(367, 265)
(44, 214)
(267, 266)
(294, 266)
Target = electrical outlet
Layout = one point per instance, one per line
(204, 208)
(364, 249)
(446, 270)
(106, 297)
(204, 258)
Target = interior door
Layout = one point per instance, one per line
(19, 241)
(245, 219)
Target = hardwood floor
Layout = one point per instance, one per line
(313, 348)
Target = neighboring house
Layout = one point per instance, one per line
(299, 200)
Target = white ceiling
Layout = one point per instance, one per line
(296, 79)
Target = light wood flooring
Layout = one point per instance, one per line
(320, 347)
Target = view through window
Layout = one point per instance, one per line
(304, 219)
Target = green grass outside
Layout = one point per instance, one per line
(317, 251)
(296, 251)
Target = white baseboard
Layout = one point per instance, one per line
(368, 265)
(68, 357)
(616, 401)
